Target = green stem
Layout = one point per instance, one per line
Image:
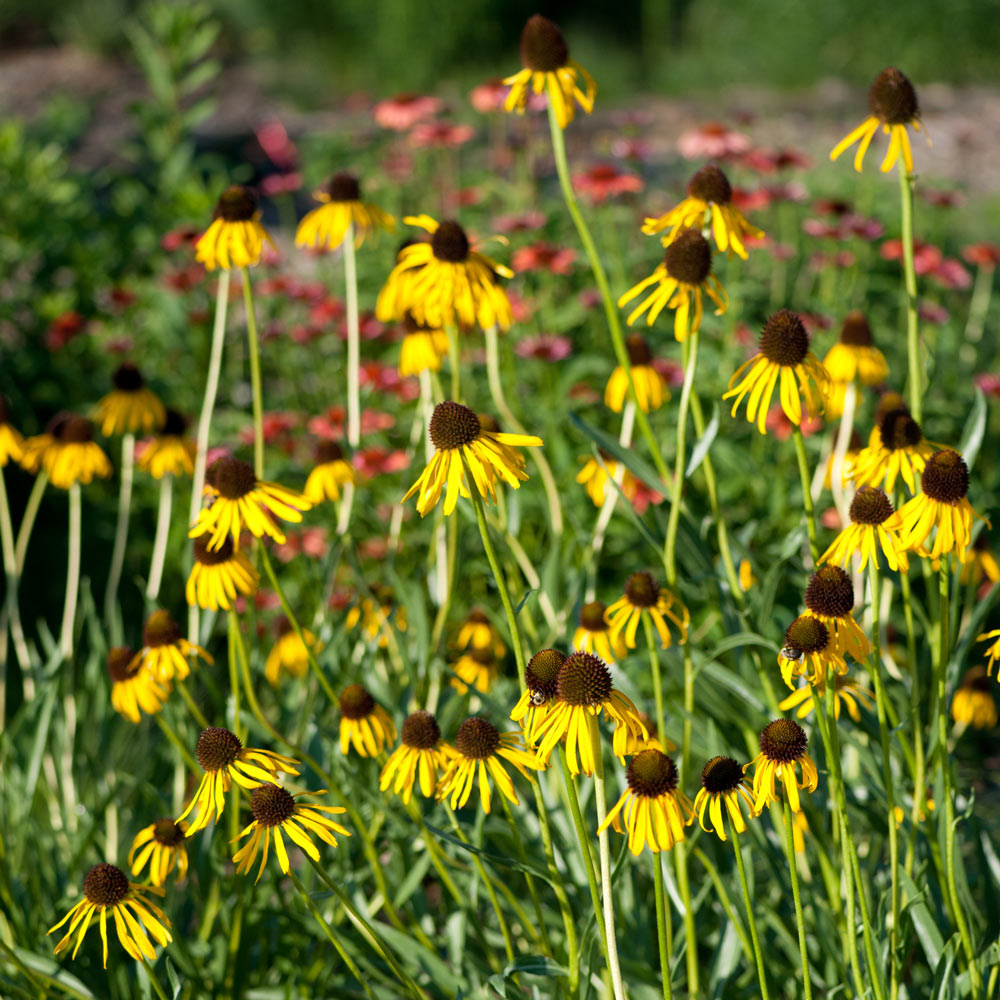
(799, 919)
(979, 308)
(157, 988)
(72, 574)
(111, 618)
(883, 725)
(690, 353)
(171, 735)
(528, 878)
(915, 385)
(654, 666)
(610, 308)
(353, 340)
(162, 535)
(919, 774)
(331, 937)
(193, 708)
(235, 641)
(662, 919)
(748, 904)
(807, 503)
(13, 608)
(455, 359)
(258, 395)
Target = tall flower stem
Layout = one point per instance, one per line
(915, 386)
(600, 276)
(157, 988)
(205, 417)
(253, 344)
(663, 926)
(331, 936)
(919, 766)
(690, 356)
(841, 444)
(883, 725)
(353, 369)
(604, 851)
(979, 308)
(491, 557)
(807, 502)
(72, 574)
(111, 618)
(503, 408)
(748, 904)
(654, 669)
(455, 360)
(11, 605)
(162, 534)
(943, 654)
(799, 920)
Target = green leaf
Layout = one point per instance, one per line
(927, 930)
(742, 639)
(975, 427)
(498, 859)
(636, 465)
(700, 449)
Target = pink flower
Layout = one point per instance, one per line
(627, 148)
(281, 183)
(985, 255)
(544, 347)
(590, 298)
(276, 427)
(770, 161)
(278, 148)
(490, 96)
(326, 312)
(950, 273)
(441, 135)
(670, 371)
(606, 181)
(519, 222)
(643, 497)
(931, 312)
(544, 257)
(305, 333)
(712, 141)
(369, 328)
(831, 519)
(989, 383)
(520, 307)
(752, 201)
(184, 237)
(310, 542)
(778, 422)
(402, 112)
(183, 279)
(380, 461)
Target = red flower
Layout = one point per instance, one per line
(122, 297)
(63, 329)
(544, 257)
(712, 141)
(490, 96)
(989, 383)
(950, 273)
(606, 181)
(274, 184)
(670, 371)
(183, 279)
(278, 148)
(380, 461)
(643, 497)
(402, 112)
(778, 422)
(184, 237)
(441, 135)
(310, 542)
(326, 312)
(985, 255)
(519, 222)
(770, 161)
(275, 426)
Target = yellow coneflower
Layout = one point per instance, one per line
(709, 198)
(364, 723)
(165, 651)
(855, 354)
(225, 759)
(783, 745)
(459, 438)
(644, 595)
(584, 690)
(547, 68)
(235, 238)
(240, 500)
(892, 103)
(375, 616)
(476, 668)
(845, 689)
(973, 703)
(597, 474)
(874, 525)
(219, 575)
(72, 455)
(131, 406)
(834, 400)
(134, 689)
(829, 597)
(478, 632)
(809, 651)
(443, 281)
(540, 688)
(290, 654)
(35, 448)
(784, 357)
(723, 784)
(170, 453)
(653, 809)
(421, 755)
(277, 814)
(651, 390)
(163, 845)
(107, 889)
(593, 633)
(11, 440)
(896, 448)
(680, 279)
(331, 472)
(992, 654)
(480, 750)
(423, 348)
(943, 504)
(326, 226)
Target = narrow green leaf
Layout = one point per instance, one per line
(700, 449)
(975, 427)
(927, 930)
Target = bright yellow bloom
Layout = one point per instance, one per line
(169, 453)
(548, 69)
(132, 406)
(784, 355)
(235, 238)
(678, 283)
(329, 474)
(593, 634)
(829, 598)
(443, 281)
(290, 654)
(163, 845)
(845, 689)
(942, 504)
(809, 651)
(240, 500)
(540, 688)
(709, 199)
(644, 595)
(653, 809)
(107, 889)
(982, 563)
(165, 652)
(597, 474)
(479, 754)
(892, 102)
(874, 524)
(479, 632)
(459, 439)
(277, 814)
(423, 348)
(854, 355)
(651, 390)
(326, 226)
(134, 688)
(225, 760)
(72, 456)
(364, 723)
(973, 703)
(475, 668)
(783, 746)
(583, 691)
(993, 653)
(421, 754)
(897, 447)
(219, 575)
(723, 784)
(11, 441)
